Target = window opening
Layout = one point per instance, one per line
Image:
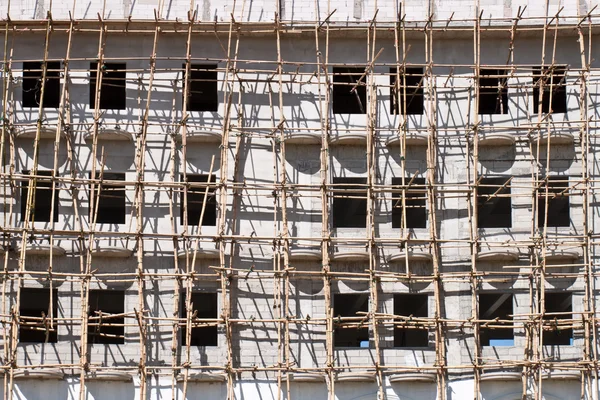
(554, 82)
(413, 82)
(415, 202)
(204, 306)
(103, 328)
(561, 303)
(353, 333)
(202, 88)
(492, 306)
(111, 201)
(32, 84)
(112, 88)
(34, 310)
(350, 203)
(195, 199)
(345, 99)
(558, 203)
(411, 305)
(494, 203)
(493, 91)
(42, 198)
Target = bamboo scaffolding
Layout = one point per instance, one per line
(532, 274)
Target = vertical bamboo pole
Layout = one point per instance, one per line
(182, 194)
(29, 214)
(139, 206)
(7, 185)
(85, 282)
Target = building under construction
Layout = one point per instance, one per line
(299, 199)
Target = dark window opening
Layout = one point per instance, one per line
(42, 198)
(492, 306)
(554, 83)
(411, 305)
(202, 88)
(350, 203)
(32, 84)
(111, 201)
(35, 316)
(102, 328)
(558, 203)
(409, 91)
(204, 306)
(354, 333)
(493, 91)
(558, 303)
(345, 99)
(112, 86)
(415, 203)
(494, 203)
(195, 200)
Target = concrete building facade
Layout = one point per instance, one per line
(282, 199)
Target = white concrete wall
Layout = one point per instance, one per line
(256, 344)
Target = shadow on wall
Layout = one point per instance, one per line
(109, 390)
(32, 390)
(197, 391)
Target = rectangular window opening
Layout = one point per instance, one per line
(494, 203)
(345, 100)
(408, 305)
(554, 83)
(493, 91)
(34, 310)
(42, 198)
(558, 203)
(350, 203)
(107, 329)
(204, 306)
(415, 203)
(195, 201)
(558, 303)
(113, 94)
(492, 306)
(32, 84)
(409, 91)
(110, 201)
(353, 333)
(202, 88)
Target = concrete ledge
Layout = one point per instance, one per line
(356, 377)
(43, 250)
(501, 376)
(496, 139)
(556, 137)
(350, 256)
(412, 377)
(203, 377)
(498, 255)
(111, 376)
(412, 139)
(200, 254)
(46, 132)
(302, 138)
(305, 254)
(201, 136)
(306, 377)
(562, 375)
(111, 252)
(412, 256)
(110, 134)
(353, 139)
(54, 374)
(562, 256)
